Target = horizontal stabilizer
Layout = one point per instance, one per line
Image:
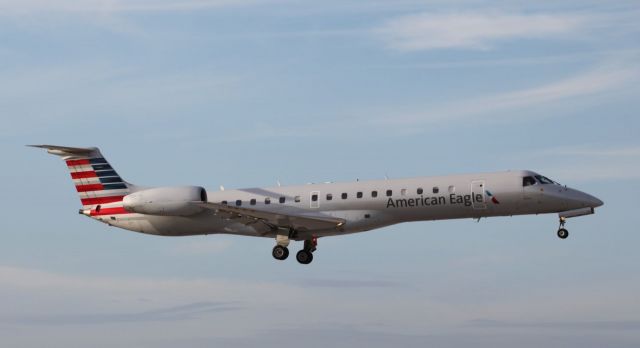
(66, 151)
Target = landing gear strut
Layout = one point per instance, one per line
(280, 251)
(305, 256)
(562, 232)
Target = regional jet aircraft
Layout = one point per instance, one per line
(308, 212)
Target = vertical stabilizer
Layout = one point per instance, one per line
(99, 186)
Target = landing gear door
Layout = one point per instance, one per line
(314, 199)
(477, 194)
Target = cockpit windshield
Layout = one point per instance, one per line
(544, 180)
(537, 179)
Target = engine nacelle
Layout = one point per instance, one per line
(168, 201)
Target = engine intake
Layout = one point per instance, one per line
(167, 201)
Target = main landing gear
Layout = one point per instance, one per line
(562, 232)
(280, 252)
(304, 256)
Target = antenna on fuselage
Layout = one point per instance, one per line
(278, 181)
(221, 188)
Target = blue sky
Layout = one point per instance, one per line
(245, 93)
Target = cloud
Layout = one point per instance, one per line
(346, 283)
(490, 108)
(90, 89)
(568, 92)
(208, 246)
(560, 325)
(40, 306)
(174, 313)
(592, 151)
(21, 7)
(585, 163)
(472, 30)
(588, 163)
(349, 336)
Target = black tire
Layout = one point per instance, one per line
(304, 257)
(280, 253)
(563, 233)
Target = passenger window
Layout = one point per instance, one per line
(267, 200)
(314, 197)
(329, 196)
(528, 181)
(252, 201)
(238, 202)
(436, 189)
(452, 189)
(297, 199)
(403, 192)
(282, 199)
(374, 194)
(344, 196)
(420, 190)
(359, 195)
(389, 193)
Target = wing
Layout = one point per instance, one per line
(277, 220)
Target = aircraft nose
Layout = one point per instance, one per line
(577, 199)
(591, 201)
(596, 202)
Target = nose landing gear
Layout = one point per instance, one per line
(562, 232)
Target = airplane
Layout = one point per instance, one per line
(308, 212)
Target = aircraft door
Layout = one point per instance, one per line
(478, 195)
(314, 199)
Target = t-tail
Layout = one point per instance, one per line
(99, 186)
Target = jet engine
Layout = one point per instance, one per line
(168, 201)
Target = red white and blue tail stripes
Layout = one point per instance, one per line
(100, 188)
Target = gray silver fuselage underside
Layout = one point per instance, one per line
(457, 197)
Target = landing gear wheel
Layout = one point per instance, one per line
(280, 252)
(563, 233)
(304, 257)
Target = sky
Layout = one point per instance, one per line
(247, 93)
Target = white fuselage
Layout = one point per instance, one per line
(366, 205)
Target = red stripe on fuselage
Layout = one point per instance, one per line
(109, 211)
(92, 187)
(71, 163)
(83, 175)
(101, 200)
